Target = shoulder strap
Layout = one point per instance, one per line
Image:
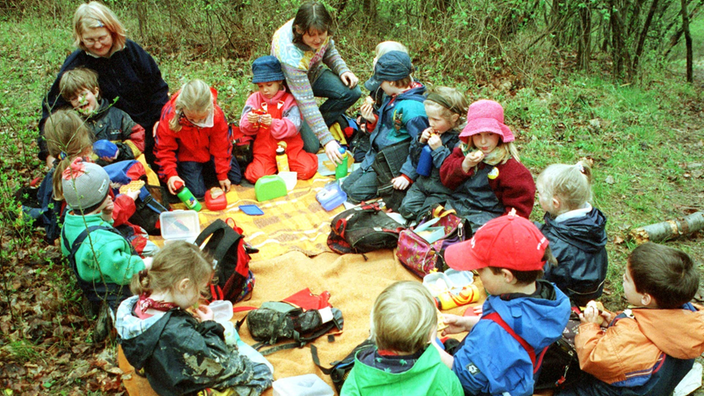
(495, 317)
(227, 237)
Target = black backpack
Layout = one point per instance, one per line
(362, 229)
(150, 204)
(278, 320)
(233, 279)
(341, 368)
(387, 165)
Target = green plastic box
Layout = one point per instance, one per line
(270, 187)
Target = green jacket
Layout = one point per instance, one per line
(113, 253)
(428, 376)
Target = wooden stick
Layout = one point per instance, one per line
(669, 229)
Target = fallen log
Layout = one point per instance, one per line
(669, 229)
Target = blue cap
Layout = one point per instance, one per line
(392, 66)
(105, 148)
(266, 69)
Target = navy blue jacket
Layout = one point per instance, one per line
(130, 74)
(579, 245)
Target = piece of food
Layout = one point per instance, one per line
(135, 185)
(441, 322)
(369, 100)
(216, 192)
(599, 308)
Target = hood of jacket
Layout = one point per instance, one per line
(587, 233)
(677, 332)
(549, 313)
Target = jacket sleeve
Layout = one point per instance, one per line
(300, 87)
(451, 172)
(116, 260)
(220, 145)
(133, 135)
(245, 126)
(287, 126)
(203, 360)
(516, 188)
(598, 349)
(415, 125)
(166, 146)
(334, 60)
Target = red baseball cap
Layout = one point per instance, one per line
(508, 241)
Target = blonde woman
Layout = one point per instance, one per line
(125, 71)
(192, 142)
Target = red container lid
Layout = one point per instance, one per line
(218, 203)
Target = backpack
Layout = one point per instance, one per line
(363, 229)
(561, 364)
(341, 368)
(278, 320)
(387, 165)
(242, 145)
(233, 279)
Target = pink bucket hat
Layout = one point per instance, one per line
(486, 116)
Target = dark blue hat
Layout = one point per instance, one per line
(267, 68)
(392, 66)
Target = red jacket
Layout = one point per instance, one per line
(192, 143)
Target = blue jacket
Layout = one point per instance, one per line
(400, 118)
(579, 245)
(489, 361)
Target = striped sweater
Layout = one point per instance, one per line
(302, 66)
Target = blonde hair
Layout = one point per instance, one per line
(95, 15)
(402, 317)
(570, 184)
(387, 46)
(454, 103)
(178, 260)
(195, 95)
(67, 137)
(76, 80)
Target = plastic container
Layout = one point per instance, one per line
(269, 187)
(331, 196)
(218, 203)
(185, 195)
(450, 280)
(302, 385)
(105, 148)
(222, 310)
(179, 225)
(425, 162)
(448, 300)
(290, 179)
(341, 168)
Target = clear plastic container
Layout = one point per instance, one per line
(302, 385)
(450, 280)
(331, 196)
(222, 310)
(179, 225)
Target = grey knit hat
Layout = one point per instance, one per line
(85, 185)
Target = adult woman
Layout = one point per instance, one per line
(302, 45)
(126, 72)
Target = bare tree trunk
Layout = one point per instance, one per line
(557, 11)
(584, 52)
(618, 39)
(643, 35)
(676, 37)
(669, 229)
(688, 41)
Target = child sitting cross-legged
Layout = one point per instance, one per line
(522, 316)
(648, 348)
(576, 231)
(106, 122)
(485, 172)
(403, 324)
(173, 339)
(271, 114)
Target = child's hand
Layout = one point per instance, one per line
(471, 160)
(204, 312)
(225, 184)
(458, 324)
(367, 111)
(349, 79)
(434, 141)
(332, 149)
(426, 134)
(266, 119)
(133, 194)
(400, 183)
(106, 213)
(50, 161)
(172, 182)
(253, 118)
(592, 314)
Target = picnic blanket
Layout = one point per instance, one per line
(295, 222)
(353, 281)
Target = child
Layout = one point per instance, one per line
(193, 144)
(401, 117)
(403, 324)
(273, 117)
(521, 317)
(647, 349)
(576, 231)
(484, 172)
(80, 88)
(445, 108)
(182, 352)
(102, 259)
